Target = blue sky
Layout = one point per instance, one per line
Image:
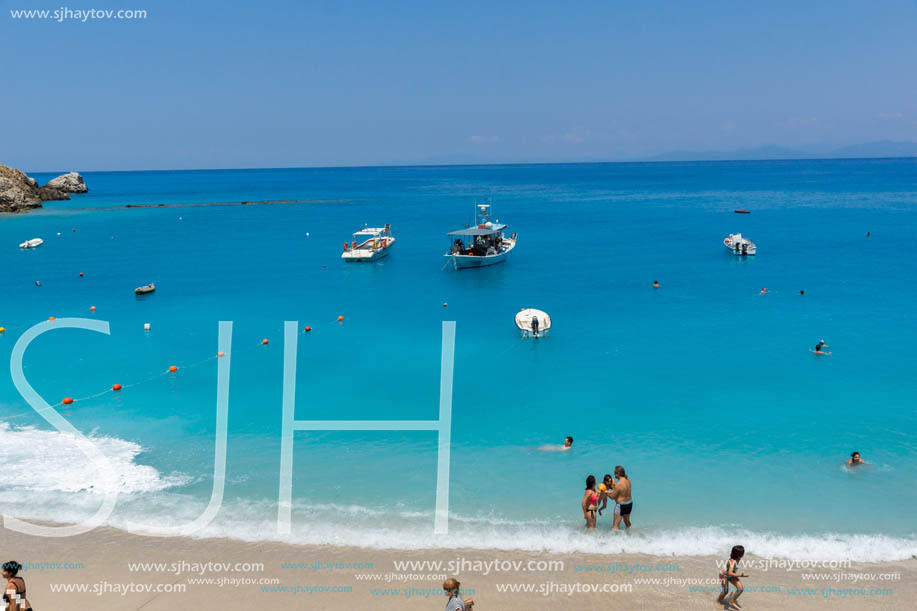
(284, 83)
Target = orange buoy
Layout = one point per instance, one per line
(68, 401)
(81, 274)
(340, 319)
(116, 387)
(92, 308)
(221, 353)
(52, 318)
(173, 369)
(264, 341)
(307, 329)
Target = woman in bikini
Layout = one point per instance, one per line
(590, 502)
(14, 593)
(731, 574)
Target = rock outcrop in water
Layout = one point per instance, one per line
(70, 182)
(19, 192)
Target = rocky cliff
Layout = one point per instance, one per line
(19, 192)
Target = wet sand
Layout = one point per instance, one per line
(105, 555)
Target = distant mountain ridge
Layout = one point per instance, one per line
(879, 148)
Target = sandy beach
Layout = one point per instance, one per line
(211, 574)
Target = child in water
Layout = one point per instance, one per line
(730, 575)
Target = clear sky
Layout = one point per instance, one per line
(204, 84)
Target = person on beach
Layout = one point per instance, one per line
(590, 502)
(855, 460)
(621, 495)
(730, 575)
(14, 593)
(454, 602)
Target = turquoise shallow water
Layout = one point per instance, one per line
(703, 389)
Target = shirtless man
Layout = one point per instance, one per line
(621, 495)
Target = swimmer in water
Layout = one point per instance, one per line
(568, 442)
(855, 460)
(655, 284)
(802, 292)
(819, 348)
(763, 291)
(590, 502)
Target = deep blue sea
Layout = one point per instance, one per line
(704, 389)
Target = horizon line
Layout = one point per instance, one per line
(483, 164)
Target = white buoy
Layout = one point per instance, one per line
(146, 326)
(307, 234)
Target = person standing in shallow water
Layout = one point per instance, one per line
(590, 502)
(621, 495)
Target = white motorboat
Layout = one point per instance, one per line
(738, 245)
(533, 323)
(33, 243)
(369, 244)
(486, 243)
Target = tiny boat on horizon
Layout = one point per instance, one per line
(532, 322)
(369, 244)
(738, 245)
(145, 289)
(486, 245)
(33, 243)
(742, 211)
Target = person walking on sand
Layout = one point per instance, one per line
(730, 575)
(621, 495)
(590, 502)
(14, 593)
(454, 602)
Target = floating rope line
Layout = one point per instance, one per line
(150, 378)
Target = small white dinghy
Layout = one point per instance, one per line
(738, 245)
(33, 243)
(533, 323)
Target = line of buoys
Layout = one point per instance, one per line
(67, 400)
(116, 387)
(307, 329)
(173, 369)
(264, 341)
